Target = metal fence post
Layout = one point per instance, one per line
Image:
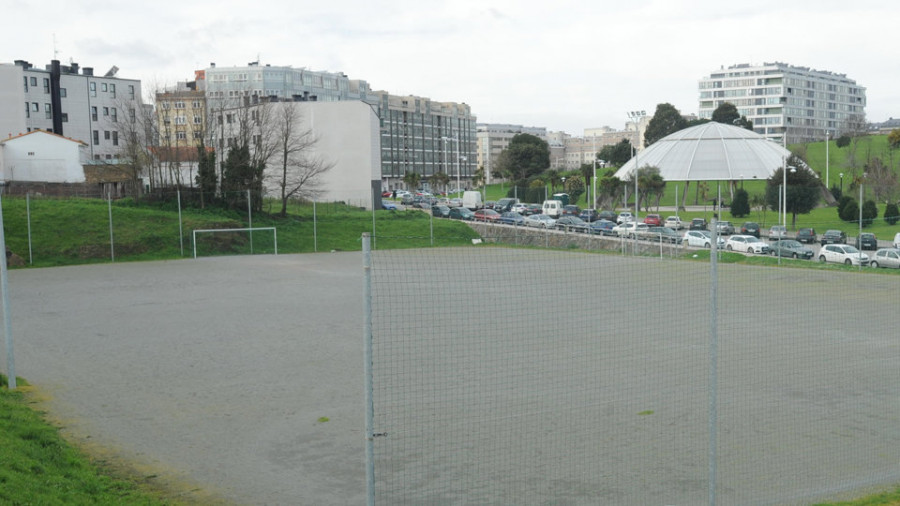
(4, 286)
(713, 359)
(180, 227)
(28, 217)
(315, 237)
(367, 338)
(112, 250)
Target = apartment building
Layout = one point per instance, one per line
(493, 138)
(71, 101)
(781, 100)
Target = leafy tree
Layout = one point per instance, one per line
(727, 113)
(842, 141)
(478, 177)
(574, 186)
(881, 179)
(412, 180)
(836, 192)
(525, 156)
(758, 202)
(891, 214)
(894, 138)
(609, 189)
(238, 175)
(439, 180)
(587, 173)
(206, 173)
(803, 190)
(869, 212)
(650, 185)
(617, 154)
(665, 120)
(554, 178)
(740, 205)
(848, 209)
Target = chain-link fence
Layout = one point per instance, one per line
(553, 375)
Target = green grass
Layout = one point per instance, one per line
(76, 231)
(37, 466)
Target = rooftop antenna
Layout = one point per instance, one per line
(55, 50)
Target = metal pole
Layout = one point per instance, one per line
(430, 226)
(28, 215)
(827, 141)
(112, 251)
(7, 325)
(859, 234)
(180, 229)
(367, 367)
(458, 184)
(250, 221)
(315, 237)
(713, 360)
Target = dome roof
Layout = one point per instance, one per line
(710, 152)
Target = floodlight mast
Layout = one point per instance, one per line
(636, 117)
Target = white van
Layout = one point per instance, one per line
(897, 241)
(472, 200)
(552, 208)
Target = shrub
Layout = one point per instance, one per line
(891, 214)
(836, 192)
(869, 212)
(842, 141)
(740, 206)
(848, 210)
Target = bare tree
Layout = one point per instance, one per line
(299, 167)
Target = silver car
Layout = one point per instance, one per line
(886, 257)
(842, 254)
(701, 239)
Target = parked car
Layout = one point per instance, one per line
(699, 224)
(750, 228)
(390, 206)
(461, 213)
(842, 254)
(533, 209)
(520, 208)
(790, 248)
(807, 235)
(512, 218)
(833, 237)
(440, 211)
(653, 220)
(663, 234)
(386, 193)
(630, 229)
(487, 215)
(748, 243)
(505, 204)
(589, 215)
(777, 232)
(886, 257)
(867, 240)
(572, 223)
(724, 228)
(608, 215)
(571, 210)
(624, 217)
(540, 221)
(897, 240)
(406, 199)
(674, 222)
(552, 208)
(701, 239)
(603, 227)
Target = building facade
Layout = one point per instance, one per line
(70, 101)
(799, 103)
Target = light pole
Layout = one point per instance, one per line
(456, 140)
(636, 117)
(827, 142)
(842, 183)
(859, 234)
(784, 193)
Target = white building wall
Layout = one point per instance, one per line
(41, 157)
(12, 101)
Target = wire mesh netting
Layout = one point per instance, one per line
(510, 375)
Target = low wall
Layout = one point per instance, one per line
(560, 239)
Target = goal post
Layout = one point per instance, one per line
(249, 230)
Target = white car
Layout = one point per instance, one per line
(631, 228)
(624, 217)
(540, 221)
(748, 243)
(701, 239)
(520, 208)
(842, 254)
(674, 222)
(777, 232)
(886, 257)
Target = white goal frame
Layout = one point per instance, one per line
(249, 229)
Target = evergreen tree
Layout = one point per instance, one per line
(740, 206)
(206, 173)
(891, 214)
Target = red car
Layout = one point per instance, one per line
(487, 215)
(653, 220)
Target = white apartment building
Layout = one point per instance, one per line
(69, 101)
(800, 103)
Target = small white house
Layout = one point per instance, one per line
(41, 156)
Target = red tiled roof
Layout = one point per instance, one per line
(11, 137)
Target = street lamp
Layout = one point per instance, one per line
(456, 140)
(636, 117)
(827, 141)
(784, 194)
(842, 183)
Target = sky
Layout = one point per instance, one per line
(563, 64)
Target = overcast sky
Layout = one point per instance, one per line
(562, 64)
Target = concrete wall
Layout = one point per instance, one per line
(42, 157)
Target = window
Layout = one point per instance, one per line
(197, 119)
(180, 120)
(195, 104)
(113, 114)
(179, 104)
(93, 88)
(107, 135)
(112, 90)
(181, 135)
(62, 93)
(27, 110)
(131, 91)
(65, 117)
(96, 137)
(93, 113)
(34, 81)
(48, 111)
(109, 157)
(35, 107)
(46, 85)
(103, 87)
(25, 78)
(198, 135)
(106, 111)
(131, 115)
(115, 138)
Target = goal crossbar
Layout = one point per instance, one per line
(249, 229)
